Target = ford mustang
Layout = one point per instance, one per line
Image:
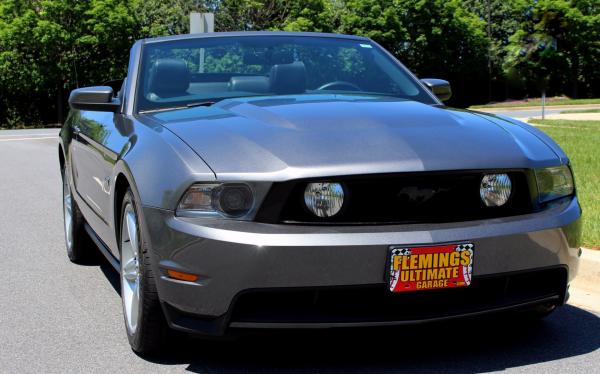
(304, 180)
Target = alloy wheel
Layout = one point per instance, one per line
(68, 212)
(130, 269)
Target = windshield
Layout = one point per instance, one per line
(202, 71)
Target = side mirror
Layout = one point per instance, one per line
(439, 87)
(98, 98)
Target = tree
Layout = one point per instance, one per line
(20, 75)
(249, 15)
(46, 50)
(376, 19)
(168, 17)
(313, 15)
(432, 37)
(502, 19)
(290, 15)
(48, 47)
(556, 47)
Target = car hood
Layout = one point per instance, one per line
(280, 138)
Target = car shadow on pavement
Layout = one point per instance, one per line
(111, 275)
(458, 346)
(462, 345)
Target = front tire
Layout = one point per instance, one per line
(80, 248)
(145, 323)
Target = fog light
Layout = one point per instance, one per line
(495, 189)
(324, 199)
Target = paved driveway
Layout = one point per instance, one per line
(57, 317)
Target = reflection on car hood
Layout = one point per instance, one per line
(280, 138)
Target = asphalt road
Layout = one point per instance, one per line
(57, 317)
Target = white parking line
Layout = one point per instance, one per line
(18, 139)
(9, 135)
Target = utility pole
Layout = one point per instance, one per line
(201, 23)
(489, 34)
(544, 104)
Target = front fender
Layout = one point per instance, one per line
(160, 165)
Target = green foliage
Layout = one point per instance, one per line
(376, 19)
(252, 15)
(443, 38)
(580, 141)
(557, 45)
(167, 17)
(48, 47)
(504, 16)
(312, 15)
(432, 37)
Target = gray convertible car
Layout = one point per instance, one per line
(303, 180)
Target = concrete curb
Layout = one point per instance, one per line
(564, 117)
(585, 288)
(537, 107)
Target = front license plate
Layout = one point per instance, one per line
(428, 268)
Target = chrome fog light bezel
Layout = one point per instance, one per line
(495, 189)
(324, 199)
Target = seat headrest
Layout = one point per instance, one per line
(169, 77)
(249, 84)
(288, 78)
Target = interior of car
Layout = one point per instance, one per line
(193, 71)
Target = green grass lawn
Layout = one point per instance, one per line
(581, 141)
(570, 111)
(538, 102)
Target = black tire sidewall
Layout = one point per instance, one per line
(81, 251)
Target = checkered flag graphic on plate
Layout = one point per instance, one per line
(394, 274)
(401, 251)
(464, 247)
(467, 270)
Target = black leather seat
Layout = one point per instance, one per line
(288, 78)
(169, 77)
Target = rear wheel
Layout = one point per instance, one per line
(80, 249)
(146, 327)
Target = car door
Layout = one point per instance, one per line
(98, 140)
(92, 164)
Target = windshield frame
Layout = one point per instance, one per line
(234, 35)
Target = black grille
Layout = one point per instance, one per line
(400, 198)
(376, 304)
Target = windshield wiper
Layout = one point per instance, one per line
(201, 103)
(190, 105)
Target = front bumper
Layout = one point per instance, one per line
(233, 257)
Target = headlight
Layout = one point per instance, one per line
(495, 189)
(554, 183)
(229, 199)
(324, 199)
